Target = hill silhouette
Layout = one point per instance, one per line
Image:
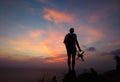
(21, 75)
(109, 76)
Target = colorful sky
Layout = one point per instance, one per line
(32, 32)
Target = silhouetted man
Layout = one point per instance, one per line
(71, 42)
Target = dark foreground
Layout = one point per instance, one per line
(110, 76)
(73, 76)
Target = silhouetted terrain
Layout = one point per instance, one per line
(42, 75)
(109, 76)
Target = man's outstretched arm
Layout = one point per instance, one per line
(77, 43)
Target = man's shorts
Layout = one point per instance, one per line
(71, 51)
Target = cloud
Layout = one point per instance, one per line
(40, 42)
(88, 34)
(103, 13)
(112, 52)
(58, 17)
(32, 62)
(98, 15)
(113, 44)
(36, 34)
(28, 47)
(56, 59)
(2, 38)
(115, 5)
(9, 61)
(115, 52)
(91, 49)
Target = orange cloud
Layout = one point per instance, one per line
(49, 42)
(57, 17)
(36, 34)
(37, 44)
(56, 60)
(30, 48)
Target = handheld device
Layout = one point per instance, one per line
(80, 55)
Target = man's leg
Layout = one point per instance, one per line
(69, 62)
(73, 61)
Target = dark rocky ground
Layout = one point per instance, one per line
(109, 76)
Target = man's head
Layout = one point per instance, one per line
(71, 30)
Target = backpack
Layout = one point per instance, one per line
(70, 39)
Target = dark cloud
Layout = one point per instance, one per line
(91, 49)
(115, 52)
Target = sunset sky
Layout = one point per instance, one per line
(32, 32)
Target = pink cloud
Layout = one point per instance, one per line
(36, 34)
(115, 43)
(103, 13)
(98, 15)
(115, 5)
(88, 34)
(93, 36)
(1, 38)
(58, 17)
